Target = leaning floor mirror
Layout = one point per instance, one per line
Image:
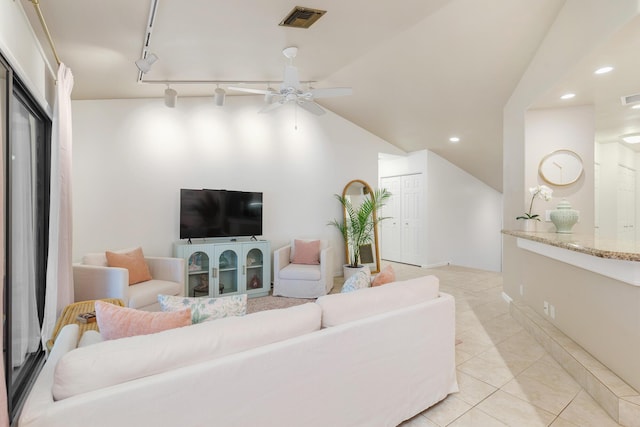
(357, 193)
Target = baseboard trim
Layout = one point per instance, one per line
(435, 265)
(507, 298)
(615, 396)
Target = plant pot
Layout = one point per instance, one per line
(349, 271)
(530, 225)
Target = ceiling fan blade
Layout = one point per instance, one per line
(312, 107)
(250, 90)
(330, 92)
(270, 107)
(290, 77)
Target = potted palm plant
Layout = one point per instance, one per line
(358, 227)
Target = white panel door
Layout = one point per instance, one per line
(390, 238)
(411, 218)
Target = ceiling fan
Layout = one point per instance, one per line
(291, 91)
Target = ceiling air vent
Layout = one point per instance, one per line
(630, 99)
(302, 17)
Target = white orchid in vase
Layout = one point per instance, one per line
(542, 192)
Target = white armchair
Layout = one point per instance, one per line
(93, 279)
(302, 280)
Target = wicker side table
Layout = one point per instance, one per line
(70, 313)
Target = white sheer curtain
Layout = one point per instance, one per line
(25, 328)
(59, 288)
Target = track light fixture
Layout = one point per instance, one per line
(219, 95)
(144, 64)
(170, 97)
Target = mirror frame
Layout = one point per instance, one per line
(376, 246)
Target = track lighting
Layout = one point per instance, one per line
(170, 97)
(144, 64)
(219, 95)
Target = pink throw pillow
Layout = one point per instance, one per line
(306, 252)
(386, 275)
(118, 322)
(132, 261)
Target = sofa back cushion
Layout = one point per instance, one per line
(100, 258)
(346, 307)
(113, 362)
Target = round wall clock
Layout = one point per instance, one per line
(562, 167)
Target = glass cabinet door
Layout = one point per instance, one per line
(254, 270)
(227, 272)
(198, 274)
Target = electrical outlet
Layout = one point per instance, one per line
(521, 290)
(545, 307)
(547, 215)
(552, 311)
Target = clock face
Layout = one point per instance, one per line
(562, 167)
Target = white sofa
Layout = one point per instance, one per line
(302, 280)
(93, 279)
(373, 357)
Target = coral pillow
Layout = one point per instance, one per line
(132, 261)
(307, 252)
(386, 275)
(118, 322)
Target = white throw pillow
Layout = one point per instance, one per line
(359, 280)
(205, 309)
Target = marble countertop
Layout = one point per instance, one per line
(628, 250)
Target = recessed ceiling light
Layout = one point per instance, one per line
(631, 138)
(568, 96)
(454, 139)
(603, 70)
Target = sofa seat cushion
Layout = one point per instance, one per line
(301, 272)
(146, 293)
(346, 307)
(114, 362)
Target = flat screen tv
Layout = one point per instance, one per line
(220, 213)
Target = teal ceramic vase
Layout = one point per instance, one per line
(564, 217)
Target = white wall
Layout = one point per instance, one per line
(465, 217)
(577, 295)
(562, 129)
(131, 157)
(462, 215)
(580, 25)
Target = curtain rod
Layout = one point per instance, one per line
(36, 6)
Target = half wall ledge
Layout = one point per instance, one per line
(618, 260)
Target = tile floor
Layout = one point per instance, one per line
(505, 377)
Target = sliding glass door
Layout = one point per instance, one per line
(25, 209)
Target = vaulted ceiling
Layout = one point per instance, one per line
(421, 70)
